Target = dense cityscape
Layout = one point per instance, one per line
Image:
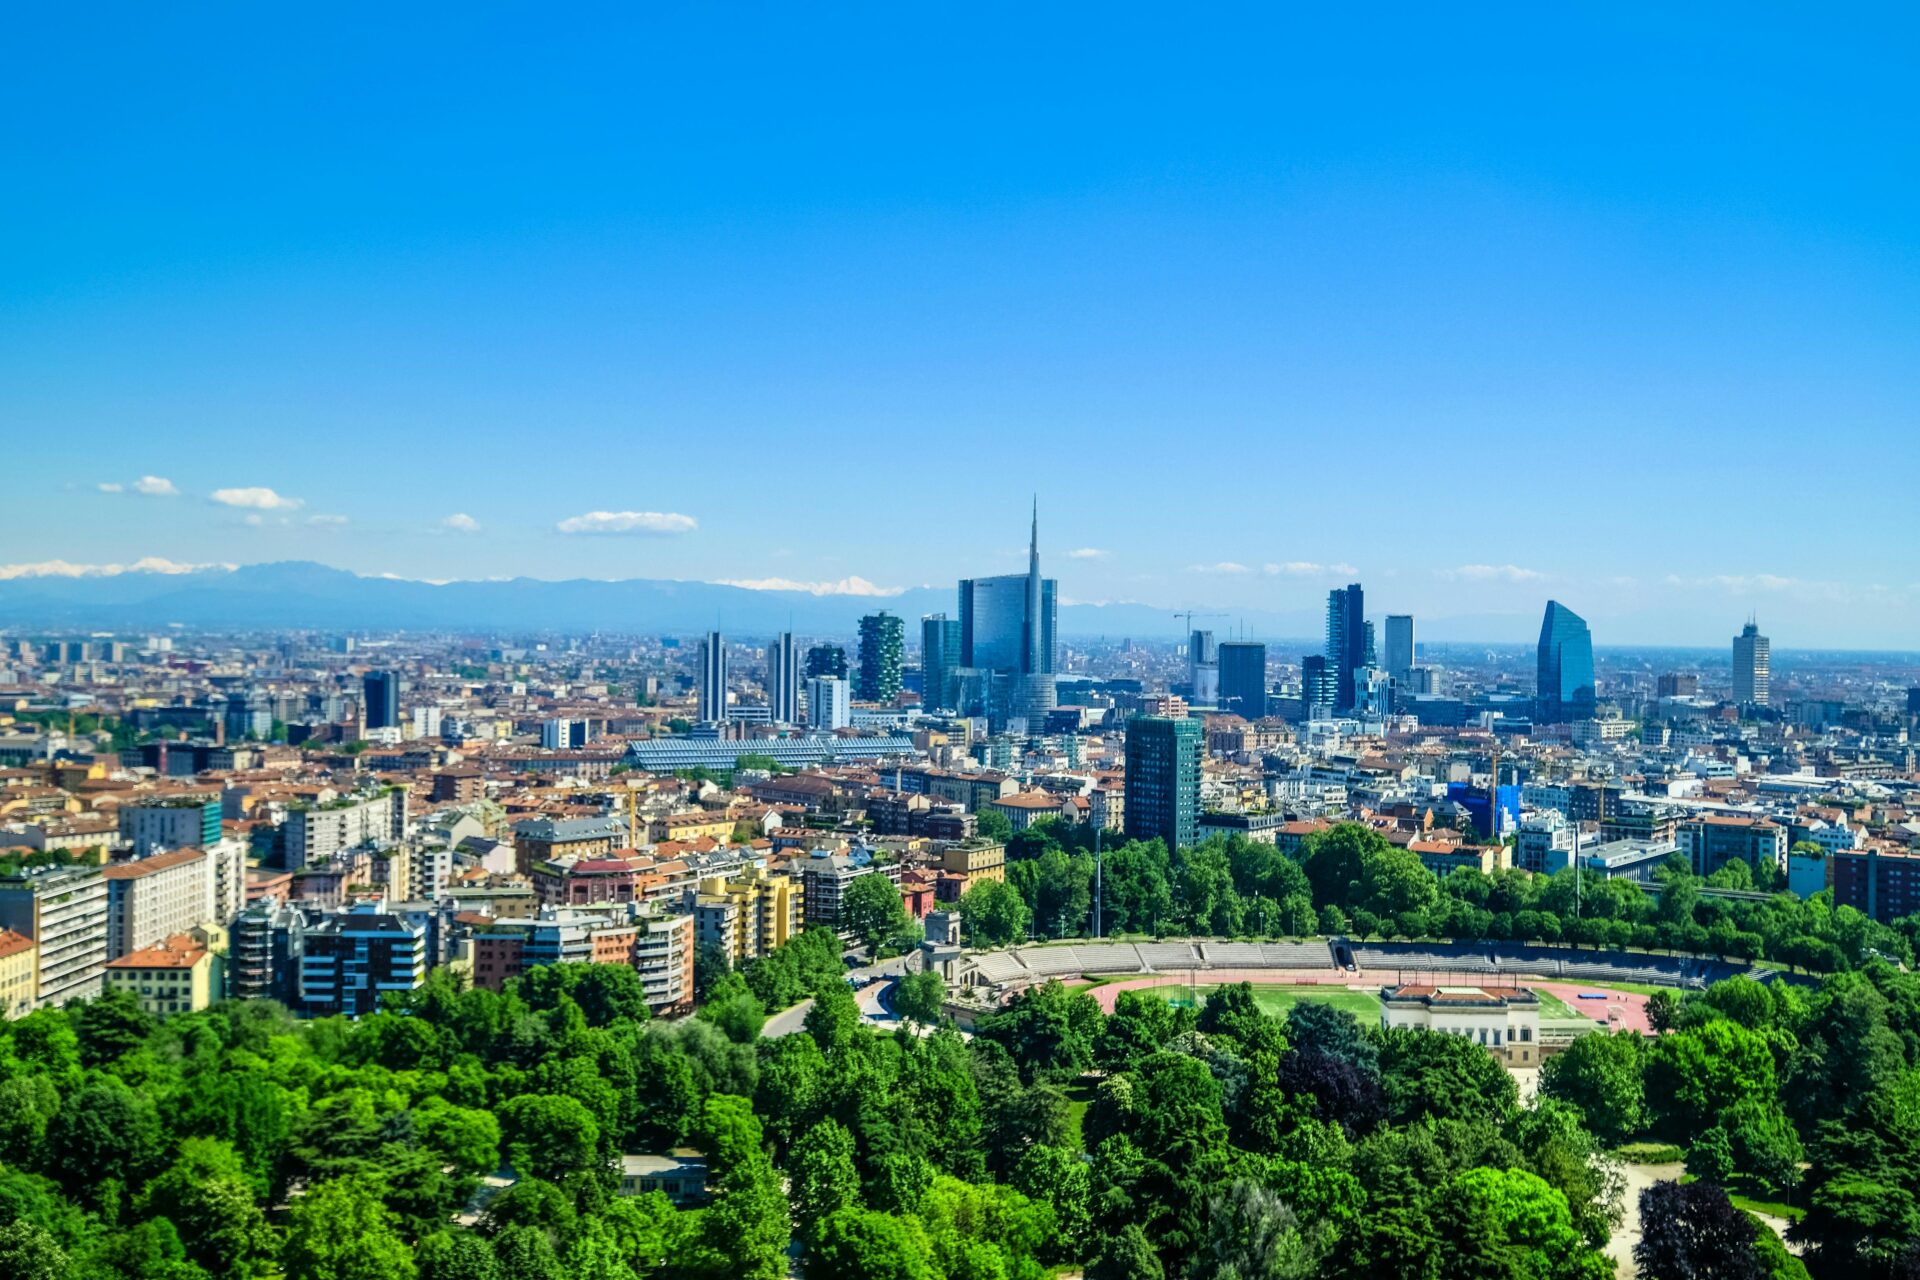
(1063, 642)
(1151, 938)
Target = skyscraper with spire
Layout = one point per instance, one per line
(1007, 633)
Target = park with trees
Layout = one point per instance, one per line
(1157, 1141)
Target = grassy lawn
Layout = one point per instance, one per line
(1276, 1000)
(1650, 1153)
(1552, 1006)
(1079, 1095)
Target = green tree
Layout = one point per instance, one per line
(993, 825)
(1127, 1255)
(1253, 1235)
(549, 1136)
(1600, 1076)
(339, 1230)
(1443, 1077)
(919, 996)
(1693, 1076)
(456, 1255)
(106, 1136)
(994, 914)
(860, 1244)
(871, 909)
(27, 1252)
(822, 1175)
(205, 1194)
(1509, 1223)
(1048, 1030)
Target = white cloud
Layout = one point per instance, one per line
(1224, 566)
(461, 522)
(67, 569)
(643, 522)
(155, 487)
(332, 522)
(1741, 584)
(110, 487)
(1492, 572)
(1088, 553)
(256, 498)
(849, 586)
(1308, 569)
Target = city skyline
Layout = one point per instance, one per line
(1260, 265)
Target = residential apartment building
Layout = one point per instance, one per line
(1882, 881)
(352, 959)
(154, 898)
(1163, 780)
(64, 911)
(1708, 842)
(658, 946)
(173, 823)
(548, 839)
(264, 949)
(316, 833)
(19, 974)
(180, 974)
(750, 913)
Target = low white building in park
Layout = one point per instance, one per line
(1506, 1021)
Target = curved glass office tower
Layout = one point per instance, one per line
(1565, 690)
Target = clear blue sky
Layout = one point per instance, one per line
(1488, 303)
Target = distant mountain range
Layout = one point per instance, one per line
(301, 594)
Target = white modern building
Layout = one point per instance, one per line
(829, 703)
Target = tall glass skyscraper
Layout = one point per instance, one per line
(783, 680)
(710, 694)
(1007, 630)
(1399, 646)
(1565, 691)
(939, 659)
(1346, 641)
(382, 693)
(1243, 678)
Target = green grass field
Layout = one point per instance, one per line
(1552, 1007)
(1276, 1000)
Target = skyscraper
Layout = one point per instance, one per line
(382, 692)
(1400, 652)
(826, 660)
(1752, 667)
(1203, 669)
(1346, 641)
(1243, 678)
(883, 643)
(1007, 629)
(1565, 691)
(783, 680)
(939, 659)
(1317, 686)
(711, 691)
(1163, 780)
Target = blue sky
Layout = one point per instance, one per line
(1480, 306)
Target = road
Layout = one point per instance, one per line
(874, 980)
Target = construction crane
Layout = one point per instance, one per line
(1190, 615)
